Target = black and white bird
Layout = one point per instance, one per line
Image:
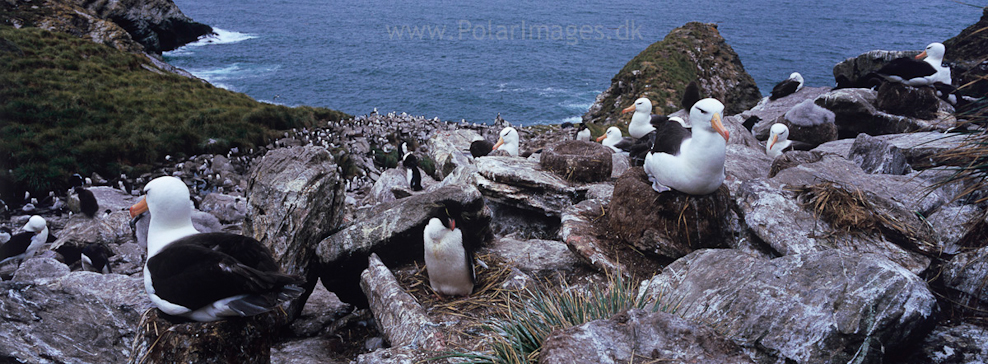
(449, 262)
(411, 164)
(24, 245)
(787, 87)
(508, 141)
(778, 141)
(205, 276)
(95, 258)
(582, 132)
(613, 139)
(691, 163)
(926, 69)
(641, 119)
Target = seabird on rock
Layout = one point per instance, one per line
(778, 141)
(508, 141)
(205, 276)
(925, 69)
(411, 164)
(640, 121)
(788, 87)
(692, 163)
(87, 201)
(24, 245)
(583, 133)
(95, 258)
(449, 262)
(614, 139)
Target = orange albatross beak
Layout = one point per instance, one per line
(601, 138)
(719, 127)
(628, 109)
(500, 141)
(139, 208)
(775, 139)
(921, 55)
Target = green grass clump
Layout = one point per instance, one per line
(73, 106)
(534, 314)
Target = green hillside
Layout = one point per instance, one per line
(68, 105)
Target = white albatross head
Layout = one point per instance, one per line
(508, 141)
(168, 202)
(934, 52)
(778, 140)
(706, 115)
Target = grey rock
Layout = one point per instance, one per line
(521, 184)
(128, 258)
(768, 111)
(855, 113)
(744, 164)
(920, 148)
(578, 233)
(535, 256)
(739, 135)
(84, 317)
(915, 102)
(967, 273)
(40, 270)
(320, 310)
(227, 208)
(953, 344)
(849, 72)
(818, 307)
(381, 192)
(951, 224)
(315, 350)
(394, 231)
(158, 25)
(877, 156)
(619, 164)
(295, 197)
(640, 336)
(80, 230)
(398, 315)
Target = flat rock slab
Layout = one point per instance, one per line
(823, 307)
(521, 183)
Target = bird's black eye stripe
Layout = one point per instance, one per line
(702, 110)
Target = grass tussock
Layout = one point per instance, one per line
(970, 158)
(74, 106)
(530, 316)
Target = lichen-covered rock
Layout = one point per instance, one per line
(855, 113)
(914, 102)
(967, 273)
(818, 307)
(695, 51)
(877, 156)
(295, 196)
(520, 183)
(67, 17)
(640, 336)
(951, 344)
(578, 233)
(850, 72)
(535, 256)
(578, 161)
(668, 224)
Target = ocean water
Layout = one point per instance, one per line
(532, 62)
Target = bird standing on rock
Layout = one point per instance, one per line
(205, 276)
(24, 245)
(449, 262)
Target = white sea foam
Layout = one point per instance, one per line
(221, 36)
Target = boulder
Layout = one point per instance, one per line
(535, 256)
(399, 316)
(80, 230)
(578, 161)
(640, 336)
(768, 111)
(788, 227)
(519, 183)
(855, 113)
(693, 52)
(821, 307)
(966, 53)
(381, 192)
(158, 25)
(739, 135)
(850, 72)
(966, 274)
(951, 344)
(394, 231)
(83, 317)
(578, 233)
(295, 198)
(321, 309)
(619, 164)
(744, 164)
(668, 224)
(951, 222)
(877, 156)
(914, 102)
(921, 149)
(229, 209)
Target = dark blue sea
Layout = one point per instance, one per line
(531, 61)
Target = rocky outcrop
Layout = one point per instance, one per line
(810, 308)
(639, 336)
(850, 72)
(966, 54)
(156, 24)
(578, 233)
(51, 315)
(695, 51)
(877, 156)
(520, 183)
(855, 113)
(966, 274)
(68, 17)
(283, 214)
(768, 111)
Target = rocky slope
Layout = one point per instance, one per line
(834, 254)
